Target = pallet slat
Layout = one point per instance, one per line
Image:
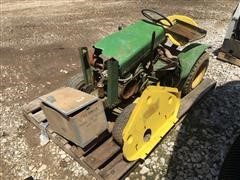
(39, 116)
(226, 57)
(59, 138)
(32, 106)
(68, 149)
(111, 164)
(190, 99)
(77, 151)
(100, 155)
(118, 170)
(31, 118)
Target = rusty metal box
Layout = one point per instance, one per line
(75, 115)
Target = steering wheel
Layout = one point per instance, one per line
(148, 13)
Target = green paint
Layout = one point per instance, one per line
(112, 83)
(189, 56)
(131, 44)
(86, 68)
(159, 65)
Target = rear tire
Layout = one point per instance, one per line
(76, 82)
(200, 66)
(121, 122)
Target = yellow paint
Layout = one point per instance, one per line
(154, 115)
(173, 19)
(199, 76)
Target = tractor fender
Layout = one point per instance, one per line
(189, 56)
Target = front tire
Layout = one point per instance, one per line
(121, 122)
(76, 82)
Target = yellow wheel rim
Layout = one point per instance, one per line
(199, 76)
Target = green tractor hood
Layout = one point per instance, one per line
(129, 45)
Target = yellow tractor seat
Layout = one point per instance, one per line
(184, 30)
(185, 33)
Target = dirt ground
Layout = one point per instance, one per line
(38, 52)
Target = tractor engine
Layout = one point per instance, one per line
(128, 84)
(145, 72)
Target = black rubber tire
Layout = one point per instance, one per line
(76, 81)
(231, 166)
(187, 86)
(121, 122)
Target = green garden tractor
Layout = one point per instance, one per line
(121, 65)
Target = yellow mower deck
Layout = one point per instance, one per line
(105, 158)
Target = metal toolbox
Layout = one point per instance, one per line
(75, 115)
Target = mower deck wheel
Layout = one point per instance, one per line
(76, 81)
(196, 75)
(121, 122)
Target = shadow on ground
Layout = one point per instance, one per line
(206, 135)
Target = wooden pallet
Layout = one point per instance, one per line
(228, 58)
(105, 160)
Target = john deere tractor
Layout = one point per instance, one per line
(121, 65)
(139, 69)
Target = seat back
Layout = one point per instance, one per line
(184, 32)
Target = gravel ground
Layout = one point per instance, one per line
(38, 53)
